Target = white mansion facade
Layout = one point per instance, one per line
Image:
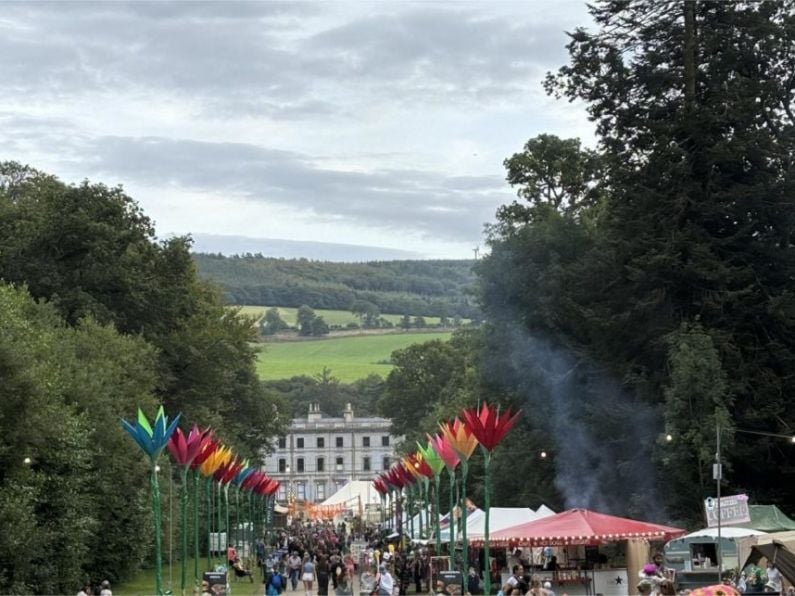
(320, 455)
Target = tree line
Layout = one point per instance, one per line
(638, 294)
(97, 317)
(434, 288)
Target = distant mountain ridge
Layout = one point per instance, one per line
(438, 288)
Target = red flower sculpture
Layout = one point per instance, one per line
(488, 425)
(185, 449)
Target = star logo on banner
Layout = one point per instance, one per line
(619, 580)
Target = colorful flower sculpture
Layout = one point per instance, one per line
(436, 465)
(208, 447)
(451, 460)
(152, 441)
(184, 450)
(464, 443)
(489, 428)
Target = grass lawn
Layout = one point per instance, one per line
(348, 358)
(332, 317)
(144, 582)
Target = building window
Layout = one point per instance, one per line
(299, 464)
(321, 442)
(366, 463)
(385, 441)
(282, 442)
(320, 491)
(300, 491)
(386, 462)
(340, 465)
(282, 465)
(321, 464)
(339, 484)
(339, 442)
(299, 443)
(282, 496)
(365, 441)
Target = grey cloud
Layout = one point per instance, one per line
(219, 51)
(448, 208)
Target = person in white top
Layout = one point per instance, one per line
(773, 577)
(385, 581)
(105, 589)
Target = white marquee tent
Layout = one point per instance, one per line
(353, 494)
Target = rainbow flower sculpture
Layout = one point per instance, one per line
(436, 465)
(489, 428)
(152, 439)
(184, 450)
(221, 455)
(451, 461)
(422, 473)
(208, 447)
(464, 444)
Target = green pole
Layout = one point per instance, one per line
(486, 501)
(184, 515)
(436, 515)
(422, 501)
(218, 507)
(251, 540)
(465, 545)
(226, 504)
(237, 517)
(410, 508)
(451, 525)
(196, 525)
(209, 492)
(158, 545)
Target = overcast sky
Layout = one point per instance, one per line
(381, 125)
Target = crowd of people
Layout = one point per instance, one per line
(318, 557)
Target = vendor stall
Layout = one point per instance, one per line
(694, 557)
(586, 568)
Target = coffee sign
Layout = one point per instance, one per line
(733, 510)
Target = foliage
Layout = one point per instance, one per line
(63, 389)
(678, 259)
(272, 322)
(104, 319)
(430, 288)
(329, 392)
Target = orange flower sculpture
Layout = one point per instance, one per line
(460, 437)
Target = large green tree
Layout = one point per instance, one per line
(692, 223)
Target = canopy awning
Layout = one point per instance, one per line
(778, 548)
(581, 526)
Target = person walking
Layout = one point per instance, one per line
(322, 573)
(294, 568)
(308, 575)
(384, 581)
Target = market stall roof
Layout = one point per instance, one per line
(768, 518)
(725, 532)
(354, 493)
(581, 526)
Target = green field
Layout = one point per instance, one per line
(348, 358)
(332, 317)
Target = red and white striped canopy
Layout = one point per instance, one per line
(580, 526)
